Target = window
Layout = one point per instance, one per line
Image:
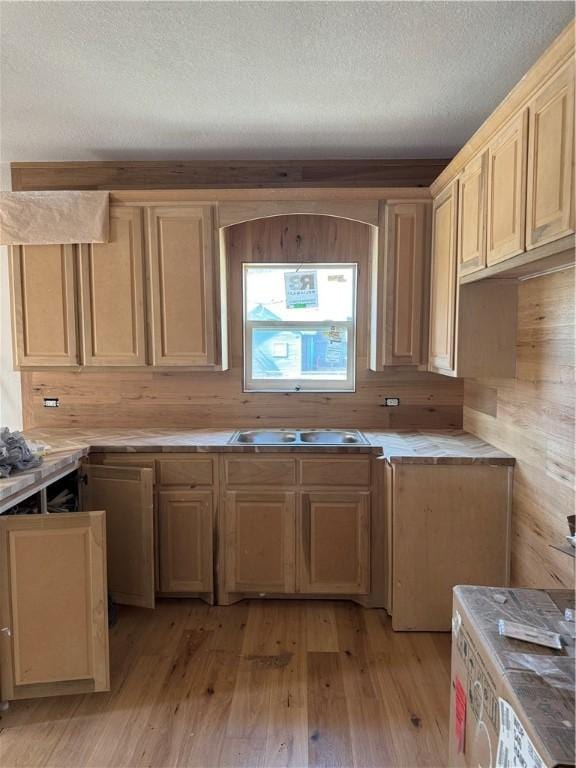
(299, 327)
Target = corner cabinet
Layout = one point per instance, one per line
(44, 309)
(473, 187)
(443, 289)
(53, 605)
(400, 279)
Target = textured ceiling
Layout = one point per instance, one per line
(141, 80)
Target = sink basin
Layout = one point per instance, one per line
(264, 437)
(332, 437)
(300, 437)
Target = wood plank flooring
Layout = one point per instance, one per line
(304, 684)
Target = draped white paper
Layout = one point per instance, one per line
(41, 218)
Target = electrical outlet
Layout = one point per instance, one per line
(392, 401)
(51, 402)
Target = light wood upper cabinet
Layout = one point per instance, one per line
(112, 294)
(507, 156)
(401, 285)
(335, 543)
(443, 282)
(550, 207)
(126, 493)
(185, 530)
(259, 535)
(53, 605)
(182, 274)
(472, 212)
(44, 305)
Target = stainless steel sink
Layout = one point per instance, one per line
(300, 437)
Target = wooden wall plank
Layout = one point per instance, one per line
(532, 418)
(203, 398)
(197, 174)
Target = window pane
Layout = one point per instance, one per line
(309, 292)
(300, 353)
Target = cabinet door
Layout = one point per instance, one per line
(404, 282)
(183, 303)
(44, 305)
(126, 494)
(186, 531)
(550, 209)
(112, 294)
(53, 605)
(472, 189)
(260, 529)
(443, 282)
(335, 543)
(507, 191)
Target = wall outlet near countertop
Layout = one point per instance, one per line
(51, 402)
(392, 401)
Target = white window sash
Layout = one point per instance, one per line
(299, 384)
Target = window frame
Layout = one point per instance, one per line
(304, 385)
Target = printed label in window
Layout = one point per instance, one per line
(301, 289)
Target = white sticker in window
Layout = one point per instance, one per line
(301, 289)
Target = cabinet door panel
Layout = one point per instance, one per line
(181, 253)
(335, 536)
(185, 530)
(443, 282)
(472, 189)
(405, 277)
(507, 191)
(126, 494)
(260, 541)
(112, 293)
(53, 601)
(550, 209)
(44, 305)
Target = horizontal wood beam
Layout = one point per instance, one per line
(203, 174)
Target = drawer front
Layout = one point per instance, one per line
(186, 471)
(140, 460)
(260, 471)
(331, 472)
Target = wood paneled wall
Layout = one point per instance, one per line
(201, 399)
(532, 418)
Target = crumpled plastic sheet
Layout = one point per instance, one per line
(15, 455)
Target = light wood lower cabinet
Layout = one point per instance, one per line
(449, 525)
(335, 543)
(310, 538)
(185, 531)
(126, 493)
(259, 533)
(53, 605)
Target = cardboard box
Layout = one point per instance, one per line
(512, 702)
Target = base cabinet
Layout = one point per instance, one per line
(449, 525)
(185, 523)
(53, 605)
(335, 543)
(260, 539)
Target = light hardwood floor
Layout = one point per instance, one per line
(253, 684)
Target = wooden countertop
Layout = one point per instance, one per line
(68, 446)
